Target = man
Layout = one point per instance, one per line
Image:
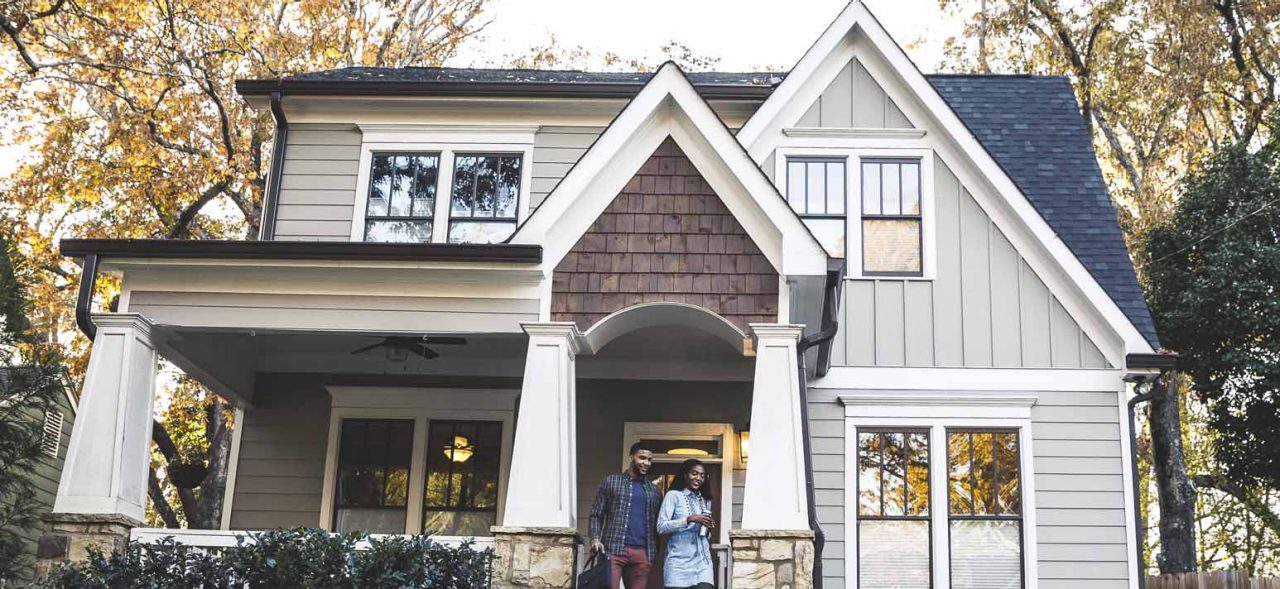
(624, 520)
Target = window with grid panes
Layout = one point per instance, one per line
(891, 217)
(402, 196)
(816, 190)
(374, 457)
(463, 458)
(485, 196)
(985, 509)
(894, 549)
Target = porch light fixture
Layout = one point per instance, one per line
(744, 444)
(461, 450)
(688, 452)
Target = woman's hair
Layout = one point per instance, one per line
(685, 468)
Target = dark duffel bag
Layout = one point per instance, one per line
(595, 575)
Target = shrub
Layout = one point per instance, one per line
(279, 559)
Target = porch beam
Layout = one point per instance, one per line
(774, 498)
(542, 487)
(106, 466)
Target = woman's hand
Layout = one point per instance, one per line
(703, 519)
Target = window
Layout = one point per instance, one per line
(486, 190)
(893, 509)
(985, 509)
(374, 457)
(816, 190)
(461, 497)
(891, 217)
(402, 196)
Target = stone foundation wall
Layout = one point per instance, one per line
(770, 559)
(69, 536)
(538, 558)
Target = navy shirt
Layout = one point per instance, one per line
(636, 515)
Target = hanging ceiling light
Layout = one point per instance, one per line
(688, 452)
(461, 449)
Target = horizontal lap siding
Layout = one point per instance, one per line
(1079, 485)
(555, 150)
(985, 308)
(280, 474)
(318, 184)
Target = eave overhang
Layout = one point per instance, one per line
(503, 253)
(252, 88)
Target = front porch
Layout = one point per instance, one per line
(494, 439)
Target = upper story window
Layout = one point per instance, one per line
(486, 193)
(892, 217)
(402, 197)
(816, 189)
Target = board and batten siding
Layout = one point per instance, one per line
(280, 474)
(985, 308)
(1079, 487)
(854, 100)
(318, 184)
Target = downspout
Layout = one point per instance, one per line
(830, 326)
(84, 298)
(1134, 475)
(267, 229)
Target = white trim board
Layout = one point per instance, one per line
(420, 405)
(855, 32)
(969, 379)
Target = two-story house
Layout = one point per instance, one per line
(893, 312)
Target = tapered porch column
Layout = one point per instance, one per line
(536, 547)
(107, 461)
(774, 547)
(103, 491)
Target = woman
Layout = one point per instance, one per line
(686, 511)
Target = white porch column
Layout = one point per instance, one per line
(105, 473)
(542, 488)
(774, 498)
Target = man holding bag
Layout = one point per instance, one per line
(623, 521)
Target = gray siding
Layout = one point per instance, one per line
(45, 477)
(555, 150)
(298, 311)
(854, 99)
(604, 406)
(1079, 487)
(318, 186)
(985, 308)
(280, 473)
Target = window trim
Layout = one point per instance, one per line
(420, 405)
(938, 415)
(853, 210)
(447, 143)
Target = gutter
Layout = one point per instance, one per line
(822, 338)
(270, 201)
(1165, 363)
(301, 250)
(626, 91)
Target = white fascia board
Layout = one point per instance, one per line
(856, 30)
(877, 378)
(670, 106)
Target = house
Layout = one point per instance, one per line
(893, 312)
(54, 425)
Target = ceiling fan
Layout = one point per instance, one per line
(399, 347)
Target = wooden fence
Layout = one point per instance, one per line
(1212, 580)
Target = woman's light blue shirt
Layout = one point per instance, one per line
(688, 559)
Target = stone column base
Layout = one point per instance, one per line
(68, 537)
(772, 559)
(540, 558)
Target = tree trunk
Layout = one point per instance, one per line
(1177, 494)
(214, 486)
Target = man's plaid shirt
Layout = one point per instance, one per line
(609, 514)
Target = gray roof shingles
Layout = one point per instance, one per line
(1031, 126)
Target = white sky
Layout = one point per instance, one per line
(744, 34)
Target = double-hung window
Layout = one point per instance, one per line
(373, 475)
(816, 190)
(892, 220)
(462, 478)
(985, 497)
(438, 196)
(893, 509)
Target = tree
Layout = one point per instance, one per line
(134, 129)
(30, 383)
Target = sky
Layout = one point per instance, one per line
(744, 34)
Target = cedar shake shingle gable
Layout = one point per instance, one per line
(1032, 127)
(666, 237)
